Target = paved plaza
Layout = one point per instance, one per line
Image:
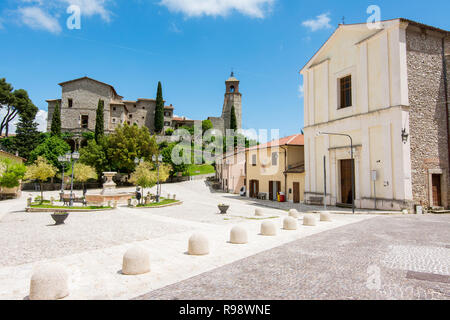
(330, 260)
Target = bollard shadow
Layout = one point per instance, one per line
(26, 298)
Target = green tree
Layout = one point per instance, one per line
(167, 158)
(99, 120)
(56, 121)
(27, 136)
(11, 173)
(41, 170)
(96, 155)
(233, 121)
(206, 125)
(50, 149)
(130, 142)
(159, 111)
(143, 176)
(82, 173)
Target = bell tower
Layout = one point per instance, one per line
(232, 98)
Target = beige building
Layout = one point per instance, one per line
(387, 89)
(277, 166)
(231, 171)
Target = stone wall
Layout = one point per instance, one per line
(428, 125)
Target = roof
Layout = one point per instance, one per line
(87, 78)
(385, 23)
(294, 140)
(12, 155)
(168, 107)
(181, 119)
(232, 78)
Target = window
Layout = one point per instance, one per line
(70, 101)
(345, 92)
(143, 118)
(113, 120)
(167, 124)
(131, 116)
(85, 121)
(274, 159)
(254, 160)
(114, 108)
(232, 89)
(134, 106)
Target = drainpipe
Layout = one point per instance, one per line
(444, 65)
(285, 174)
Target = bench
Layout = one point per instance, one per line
(66, 200)
(261, 196)
(316, 201)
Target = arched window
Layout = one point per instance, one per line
(232, 89)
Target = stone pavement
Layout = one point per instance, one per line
(388, 257)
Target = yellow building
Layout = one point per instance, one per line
(277, 167)
(14, 192)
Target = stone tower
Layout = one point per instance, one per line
(232, 98)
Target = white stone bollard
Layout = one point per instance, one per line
(294, 213)
(325, 217)
(49, 282)
(268, 228)
(238, 235)
(174, 197)
(136, 261)
(290, 223)
(309, 220)
(198, 245)
(259, 212)
(168, 196)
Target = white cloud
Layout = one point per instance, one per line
(41, 120)
(322, 21)
(36, 18)
(301, 91)
(92, 7)
(198, 8)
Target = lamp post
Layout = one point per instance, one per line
(353, 163)
(74, 157)
(138, 161)
(157, 159)
(63, 160)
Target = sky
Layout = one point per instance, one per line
(191, 46)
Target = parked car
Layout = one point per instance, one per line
(243, 191)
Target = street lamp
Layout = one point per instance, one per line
(63, 160)
(158, 159)
(353, 164)
(74, 157)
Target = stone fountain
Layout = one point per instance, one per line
(109, 193)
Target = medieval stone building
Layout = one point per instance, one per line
(80, 99)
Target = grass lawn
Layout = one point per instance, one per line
(161, 203)
(196, 170)
(48, 206)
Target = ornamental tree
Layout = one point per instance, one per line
(50, 149)
(41, 170)
(56, 121)
(11, 173)
(159, 111)
(82, 173)
(99, 121)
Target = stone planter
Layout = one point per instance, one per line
(60, 217)
(223, 209)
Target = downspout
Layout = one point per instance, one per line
(285, 174)
(444, 65)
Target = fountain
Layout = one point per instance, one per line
(109, 193)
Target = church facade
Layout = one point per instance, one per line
(80, 97)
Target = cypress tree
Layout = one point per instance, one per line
(27, 136)
(99, 121)
(56, 121)
(233, 121)
(159, 111)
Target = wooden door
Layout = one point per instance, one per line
(436, 187)
(296, 192)
(271, 190)
(346, 181)
(257, 187)
(278, 189)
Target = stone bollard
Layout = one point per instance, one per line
(110, 203)
(174, 197)
(259, 213)
(309, 220)
(115, 204)
(129, 202)
(290, 223)
(168, 196)
(136, 261)
(49, 282)
(268, 228)
(52, 201)
(147, 200)
(294, 213)
(238, 235)
(198, 245)
(29, 201)
(134, 203)
(325, 217)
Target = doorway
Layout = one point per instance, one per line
(274, 189)
(296, 191)
(254, 188)
(436, 188)
(346, 181)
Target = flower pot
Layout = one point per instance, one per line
(59, 218)
(223, 209)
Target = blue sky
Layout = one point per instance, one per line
(189, 45)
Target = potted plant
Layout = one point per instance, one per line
(223, 208)
(60, 217)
